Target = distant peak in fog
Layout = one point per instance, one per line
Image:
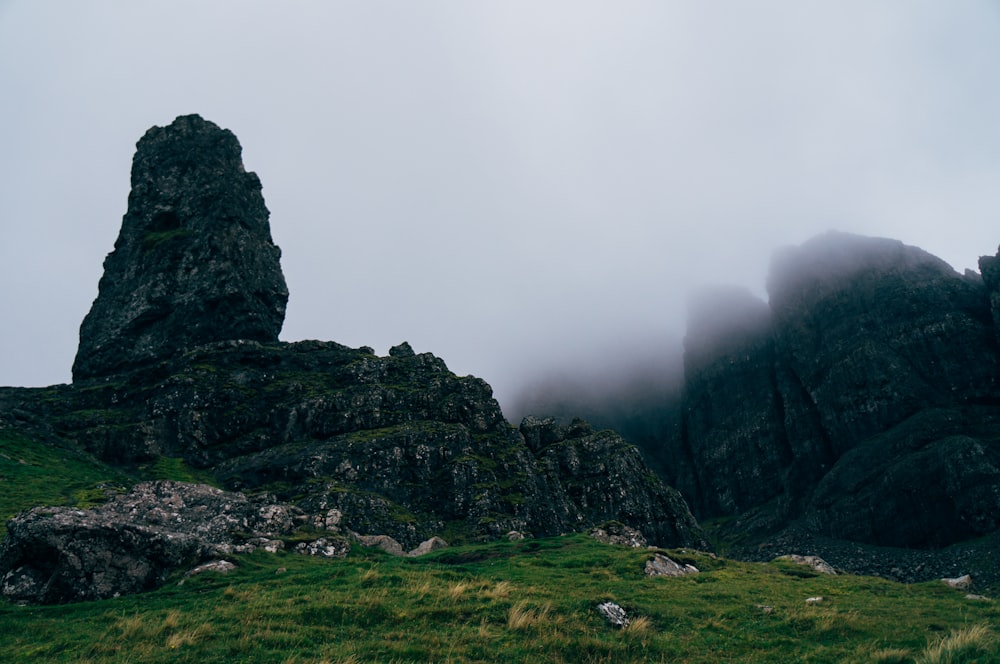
(834, 256)
(721, 317)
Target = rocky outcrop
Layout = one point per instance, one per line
(134, 542)
(661, 565)
(396, 446)
(179, 358)
(863, 399)
(194, 262)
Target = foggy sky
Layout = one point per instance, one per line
(516, 187)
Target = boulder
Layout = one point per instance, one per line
(216, 567)
(963, 582)
(133, 543)
(661, 565)
(425, 547)
(614, 614)
(384, 542)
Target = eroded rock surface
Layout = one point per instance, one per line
(194, 262)
(134, 542)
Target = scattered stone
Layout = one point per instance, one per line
(281, 570)
(978, 598)
(765, 608)
(614, 614)
(392, 547)
(384, 542)
(814, 600)
(959, 583)
(325, 547)
(425, 547)
(660, 565)
(216, 566)
(619, 534)
(815, 562)
(515, 536)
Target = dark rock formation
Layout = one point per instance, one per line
(865, 400)
(397, 445)
(194, 262)
(133, 543)
(179, 358)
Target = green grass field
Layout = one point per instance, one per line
(527, 601)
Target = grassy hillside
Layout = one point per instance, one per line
(33, 474)
(526, 601)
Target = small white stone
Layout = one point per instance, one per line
(959, 582)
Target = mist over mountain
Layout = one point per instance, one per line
(861, 402)
(518, 187)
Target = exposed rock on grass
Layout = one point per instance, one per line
(134, 542)
(614, 614)
(661, 565)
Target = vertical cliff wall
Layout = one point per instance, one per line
(806, 407)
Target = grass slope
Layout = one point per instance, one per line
(33, 474)
(526, 601)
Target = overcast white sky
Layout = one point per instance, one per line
(513, 186)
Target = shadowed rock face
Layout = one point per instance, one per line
(866, 402)
(194, 262)
(179, 358)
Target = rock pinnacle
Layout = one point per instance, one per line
(194, 262)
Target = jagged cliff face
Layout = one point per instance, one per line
(864, 399)
(396, 445)
(179, 358)
(194, 262)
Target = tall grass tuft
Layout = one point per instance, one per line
(522, 616)
(963, 646)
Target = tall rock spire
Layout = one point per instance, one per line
(194, 262)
